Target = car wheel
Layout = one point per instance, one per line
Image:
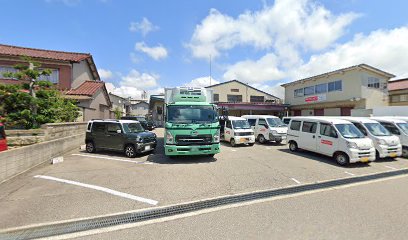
(405, 152)
(342, 159)
(130, 151)
(232, 142)
(261, 139)
(293, 147)
(90, 147)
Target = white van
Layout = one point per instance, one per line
(236, 130)
(397, 127)
(386, 144)
(267, 128)
(332, 137)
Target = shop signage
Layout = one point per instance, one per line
(317, 98)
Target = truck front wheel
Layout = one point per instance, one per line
(261, 139)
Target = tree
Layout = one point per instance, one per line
(118, 113)
(30, 72)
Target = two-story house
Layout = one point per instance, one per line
(349, 91)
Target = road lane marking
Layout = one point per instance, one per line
(296, 181)
(349, 173)
(99, 188)
(110, 158)
(393, 168)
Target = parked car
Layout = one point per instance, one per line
(332, 137)
(126, 136)
(267, 128)
(397, 127)
(236, 130)
(147, 125)
(3, 139)
(386, 144)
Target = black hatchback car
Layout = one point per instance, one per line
(148, 125)
(119, 135)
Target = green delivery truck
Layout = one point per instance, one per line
(191, 123)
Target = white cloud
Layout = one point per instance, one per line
(201, 82)
(384, 49)
(264, 69)
(275, 89)
(300, 24)
(105, 74)
(145, 26)
(134, 58)
(156, 53)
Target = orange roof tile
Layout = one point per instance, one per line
(88, 88)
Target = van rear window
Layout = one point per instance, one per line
(295, 125)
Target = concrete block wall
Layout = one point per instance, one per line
(19, 160)
(59, 130)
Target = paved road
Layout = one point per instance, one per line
(372, 211)
(28, 200)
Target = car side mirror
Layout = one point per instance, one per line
(118, 131)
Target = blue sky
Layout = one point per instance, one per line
(148, 45)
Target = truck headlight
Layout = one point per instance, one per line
(381, 142)
(274, 132)
(169, 138)
(216, 137)
(352, 145)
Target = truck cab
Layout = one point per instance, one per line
(191, 124)
(236, 130)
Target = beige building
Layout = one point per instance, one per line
(242, 99)
(398, 92)
(349, 91)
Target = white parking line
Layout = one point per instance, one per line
(102, 189)
(393, 168)
(233, 150)
(296, 181)
(349, 173)
(110, 158)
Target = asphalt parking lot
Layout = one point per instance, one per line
(86, 185)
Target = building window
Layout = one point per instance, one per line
(216, 97)
(299, 92)
(257, 99)
(53, 77)
(234, 98)
(335, 86)
(321, 88)
(373, 82)
(404, 98)
(309, 90)
(234, 90)
(395, 98)
(5, 69)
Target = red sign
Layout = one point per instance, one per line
(316, 98)
(327, 142)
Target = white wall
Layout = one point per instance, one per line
(80, 73)
(391, 111)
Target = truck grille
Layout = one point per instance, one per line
(244, 133)
(185, 140)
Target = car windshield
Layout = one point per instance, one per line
(348, 130)
(275, 122)
(241, 124)
(404, 127)
(132, 127)
(377, 129)
(191, 114)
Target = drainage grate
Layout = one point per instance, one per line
(109, 221)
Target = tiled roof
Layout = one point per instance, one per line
(42, 53)
(398, 84)
(88, 88)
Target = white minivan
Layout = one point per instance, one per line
(267, 128)
(397, 127)
(332, 137)
(386, 144)
(236, 130)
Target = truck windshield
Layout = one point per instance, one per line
(404, 127)
(241, 124)
(275, 122)
(191, 114)
(349, 131)
(132, 127)
(377, 129)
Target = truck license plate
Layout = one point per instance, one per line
(393, 154)
(364, 159)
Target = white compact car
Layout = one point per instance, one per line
(386, 144)
(267, 128)
(397, 127)
(236, 130)
(332, 137)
